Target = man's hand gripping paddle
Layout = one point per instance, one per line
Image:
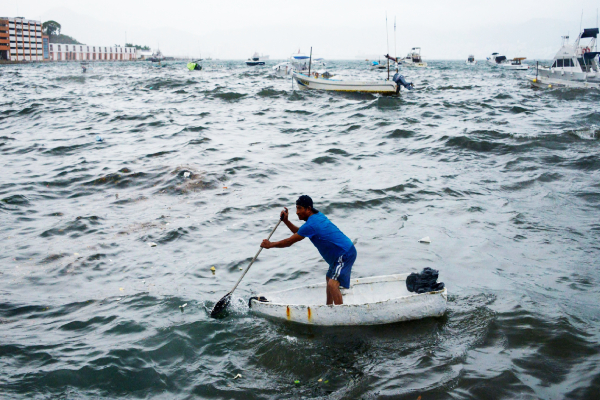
(222, 304)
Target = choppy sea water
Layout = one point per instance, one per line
(503, 178)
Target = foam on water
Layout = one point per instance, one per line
(503, 178)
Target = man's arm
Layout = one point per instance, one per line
(284, 217)
(282, 243)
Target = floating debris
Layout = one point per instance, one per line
(320, 380)
(121, 289)
(152, 244)
(297, 382)
(181, 307)
(237, 376)
(99, 138)
(213, 269)
(76, 254)
(186, 174)
(425, 240)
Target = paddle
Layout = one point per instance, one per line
(222, 304)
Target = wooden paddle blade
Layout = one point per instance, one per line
(221, 306)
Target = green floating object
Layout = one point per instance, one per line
(297, 382)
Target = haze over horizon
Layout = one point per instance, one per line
(335, 29)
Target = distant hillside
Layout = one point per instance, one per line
(63, 39)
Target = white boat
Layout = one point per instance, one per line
(414, 59)
(496, 59)
(471, 60)
(298, 62)
(574, 66)
(380, 86)
(515, 64)
(369, 301)
(256, 60)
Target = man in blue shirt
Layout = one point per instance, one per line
(335, 247)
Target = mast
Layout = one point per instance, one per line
(310, 61)
(395, 54)
(387, 36)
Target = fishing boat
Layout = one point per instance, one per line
(471, 60)
(496, 59)
(317, 82)
(414, 59)
(515, 64)
(369, 301)
(256, 60)
(574, 66)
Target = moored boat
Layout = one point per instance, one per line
(256, 60)
(414, 59)
(369, 301)
(515, 64)
(381, 86)
(574, 66)
(471, 60)
(496, 59)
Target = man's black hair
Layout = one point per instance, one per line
(306, 202)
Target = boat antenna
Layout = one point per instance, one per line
(387, 36)
(310, 61)
(395, 54)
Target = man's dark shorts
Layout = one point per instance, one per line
(341, 269)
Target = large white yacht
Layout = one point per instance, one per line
(574, 66)
(496, 59)
(413, 58)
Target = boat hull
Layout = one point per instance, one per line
(553, 83)
(369, 301)
(254, 63)
(382, 87)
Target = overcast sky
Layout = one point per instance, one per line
(234, 29)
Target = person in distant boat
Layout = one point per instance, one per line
(335, 247)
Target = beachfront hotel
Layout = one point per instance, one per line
(22, 40)
(84, 52)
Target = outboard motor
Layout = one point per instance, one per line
(399, 79)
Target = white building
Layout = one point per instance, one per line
(84, 52)
(22, 40)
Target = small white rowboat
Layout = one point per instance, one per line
(369, 301)
(310, 82)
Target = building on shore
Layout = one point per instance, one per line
(22, 40)
(84, 52)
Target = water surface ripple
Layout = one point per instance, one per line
(502, 177)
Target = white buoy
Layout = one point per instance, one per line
(425, 240)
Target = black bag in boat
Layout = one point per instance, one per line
(424, 282)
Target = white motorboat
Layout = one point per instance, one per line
(256, 60)
(298, 62)
(575, 65)
(496, 59)
(414, 59)
(381, 86)
(471, 60)
(515, 64)
(369, 301)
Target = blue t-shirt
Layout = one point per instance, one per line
(326, 237)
